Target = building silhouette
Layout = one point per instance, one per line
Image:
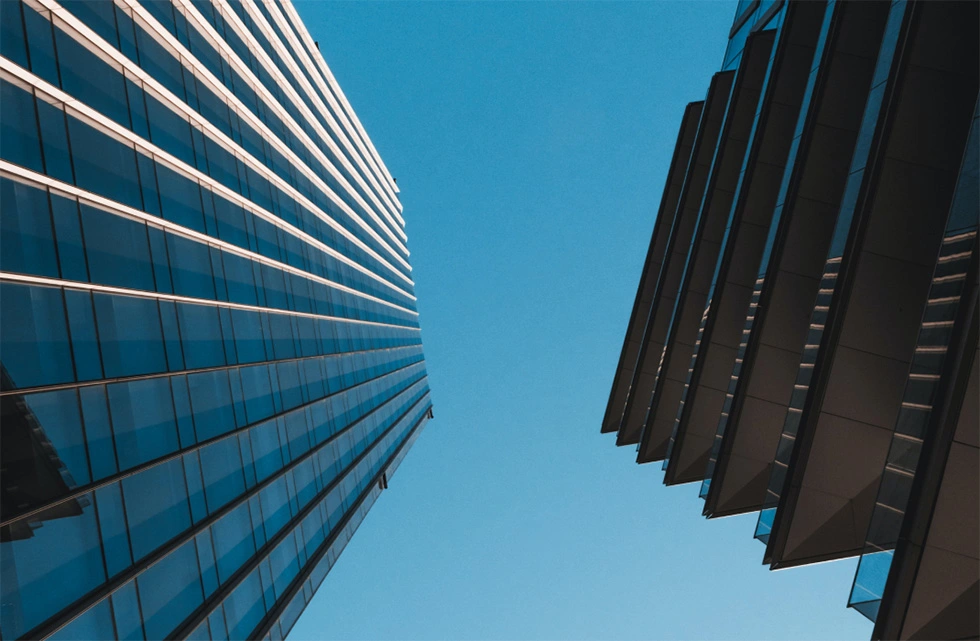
(804, 338)
(211, 356)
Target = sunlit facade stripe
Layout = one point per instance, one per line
(211, 353)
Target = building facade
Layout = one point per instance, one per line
(211, 355)
(804, 338)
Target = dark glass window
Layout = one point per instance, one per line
(34, 346)
(233, 542)
(210, 395)
(143, 420)
(13, 44)
(54, 139)
(95, 623)
(84, 341)
(190, 265)
(26, 240)
(125, 608)
(169, 130)
(52, 567)
(92, 80)
(40, 44)
(200, 331)
(156, 506)
(180, 198)
(249, 339)
(19, 139)
(244, 608)
(265, 449)
(257, 391)
(222, 467)
(112, 522)
(239, 279)
(130, 335)
(99, 16)
(169, 591)
(103, 165)
(118, 250)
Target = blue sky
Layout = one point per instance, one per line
(531, 142)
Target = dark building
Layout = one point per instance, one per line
(804, 338)
(210, 355)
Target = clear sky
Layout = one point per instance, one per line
(531, 142)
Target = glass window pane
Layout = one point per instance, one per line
(156, 506)
(118, 250)
(34, 348)
(143, 420)
(130, 335)
(26, 239)
(169, 591)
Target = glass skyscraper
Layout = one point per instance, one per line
(211, 355)
(804, 338)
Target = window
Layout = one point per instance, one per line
(143, 420)
(169, 591)
(156, 506)
(130, 335)
(34, 345)
(26, 240)
(210, 394)
(118, 250)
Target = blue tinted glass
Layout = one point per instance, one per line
(222, 468)
(97, 15)
(118, 250)
(290, 386)
(54, 136)
(190, 265)
(233, 543)
(297, 433)
(195, 486)
(13, 45)
(40, 45)
(180, 198)
(125, 609)
(130, 335)
(257, 390)
(200, 331)
(244, 608)
(19, 140)
(34, 347)
(68, 230)
(158, 63)
(205, 557)
(86, 77)
(210, 394)
(95, 623)
(84, 341)
(112, 521)
(275, 506)
(239, 279)
(156, 506)
(285, 565)
(169, 591)
(101, 453)
(265, 450)
(249, 338)
(51, 566)
(169, 131)
(103, 165)
(49, 426)
(143, 420)
(26, 240)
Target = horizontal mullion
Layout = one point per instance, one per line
(307, 569)
(224, 590)
(88, 38)
(109, 480)
(85, 603)
(42, 181)
(300, 29)
(137, 293)
(260, 21)
(142, 377)
(113, 129)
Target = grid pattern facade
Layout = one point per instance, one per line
(211, 355)
(804, 338)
